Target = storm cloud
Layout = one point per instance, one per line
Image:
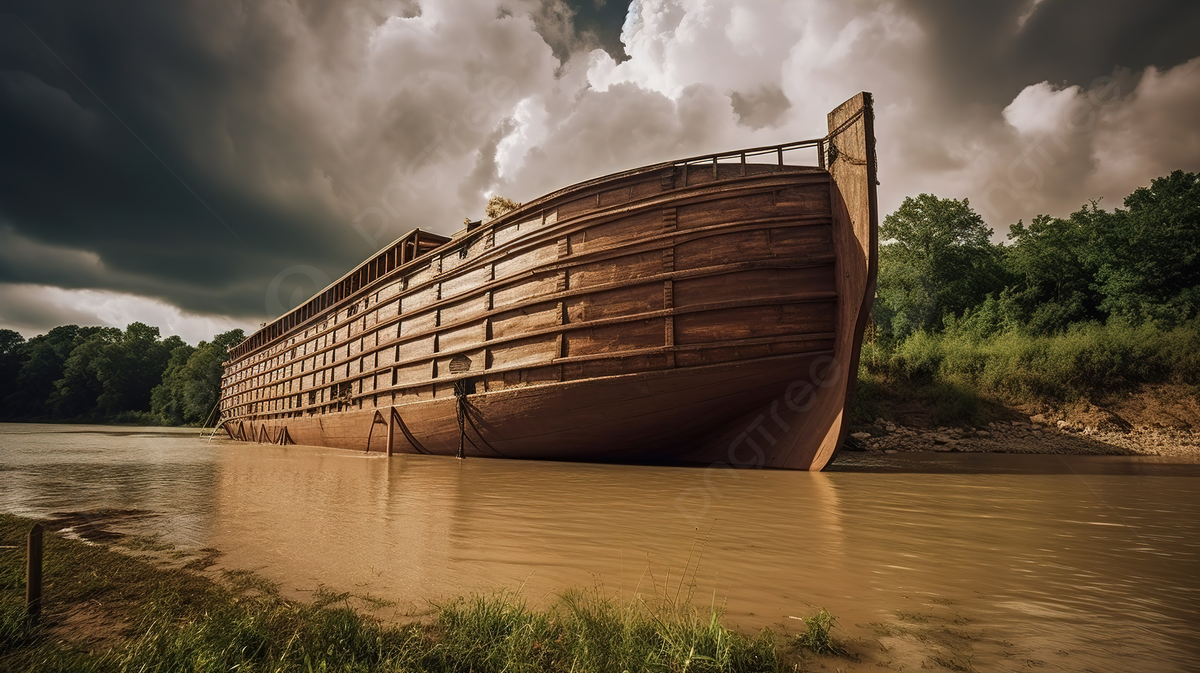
(224, 159)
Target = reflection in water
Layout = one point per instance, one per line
(1075, 562)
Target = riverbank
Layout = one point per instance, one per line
(114, 602)
(1033, 435)
(1144, 420)
(131, 604)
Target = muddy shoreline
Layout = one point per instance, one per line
(1035, 435)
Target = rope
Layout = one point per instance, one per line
(407, 433)
(464, 417)
(460, 394)
(485, 442)
(835, 152)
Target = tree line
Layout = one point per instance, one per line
(939, 270)
(1070, 310)
(105, 374)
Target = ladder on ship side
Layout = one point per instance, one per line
(216, 426)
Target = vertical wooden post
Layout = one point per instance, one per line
(391, 430)
(33, 573)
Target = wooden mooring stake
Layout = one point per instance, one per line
(33, 574)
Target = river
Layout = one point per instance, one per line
(1007, 562)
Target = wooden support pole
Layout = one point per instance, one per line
(391, 435)
(33, 574)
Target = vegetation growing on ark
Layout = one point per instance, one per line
(1096, 303)
(161, 619)
(498, 205)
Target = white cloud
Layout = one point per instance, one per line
(1072, 145)
(1041, 108)
(35, 309)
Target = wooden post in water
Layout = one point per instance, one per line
(391, 430)
(33, 574)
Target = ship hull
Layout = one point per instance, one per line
(705, 311)
(668, 416)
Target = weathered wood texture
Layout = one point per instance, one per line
(631, 317)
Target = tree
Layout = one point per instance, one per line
(938, 263)
(166, 400)
(44, 357)
(12, 353)
(76, 391)
(191, 384)
(1147, 257)
(1051, 271)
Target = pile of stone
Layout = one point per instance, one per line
(1033, 435)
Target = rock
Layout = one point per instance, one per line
(861, 435)
(1062, 424)
(889, 427)
(889, 450)
(941, 439)
(982, 433)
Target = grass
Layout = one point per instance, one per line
(819, 638)
(961, 378)
(106, 611)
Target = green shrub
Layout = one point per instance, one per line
(818, 637)
(956, 372)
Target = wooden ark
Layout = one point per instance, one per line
(707, 310)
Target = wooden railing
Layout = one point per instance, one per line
(777, 150)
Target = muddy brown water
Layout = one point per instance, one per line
(944, 561)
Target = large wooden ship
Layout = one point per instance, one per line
(707, 310)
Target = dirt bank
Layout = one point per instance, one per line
(1154, 421)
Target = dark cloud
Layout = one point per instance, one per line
(223, 158)
(153, 144)
(985, 52)
(761, 107)
(197, 149)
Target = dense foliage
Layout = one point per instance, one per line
(939, 271)
(1096, 302)
(108, 374)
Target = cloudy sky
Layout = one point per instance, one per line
(201, 165)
